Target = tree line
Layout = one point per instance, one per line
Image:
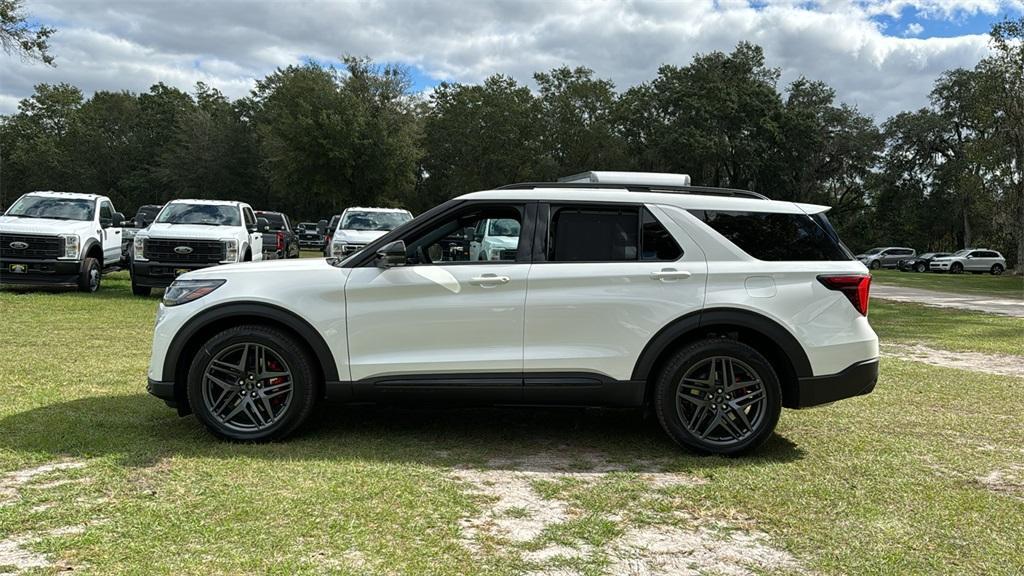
(310, 140)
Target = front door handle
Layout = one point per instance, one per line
(488, 280)
(670, 274)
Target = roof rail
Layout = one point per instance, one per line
(698, 190)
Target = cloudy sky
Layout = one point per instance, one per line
(881, 56)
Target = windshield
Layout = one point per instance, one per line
(53, 208)
(961, 253)
(504, 227)
(374, 220)
(202, 214)
(874, 251)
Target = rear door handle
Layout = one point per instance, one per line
(670, 274)
(487, 280)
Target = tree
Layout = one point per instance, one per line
(18, 36)
(35, 151)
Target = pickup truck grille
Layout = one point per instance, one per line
(41, 247)
(203, 251)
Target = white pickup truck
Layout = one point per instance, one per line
(192, 234)
(59, 238)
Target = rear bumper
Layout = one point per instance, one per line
(40, 272)
(856, 380)
(160, 274)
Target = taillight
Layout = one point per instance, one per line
(855, 288)
(280, 241)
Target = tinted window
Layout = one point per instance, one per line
(656, 243)
(274, 219)
(593, 234)
(106, 213)
(774, 237)
(250, 218)
(904, 252)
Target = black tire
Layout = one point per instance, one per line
(956, 268)
(670, 406)
(920, 267)
(295, 358)
(90, 275)
(140, 290)
(876, 264)
(997, 269)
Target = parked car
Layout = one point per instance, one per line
(281, 241)
(620, 293)
(329, 233)
(192, 234)
(357, 227)
(143, 218)
(920, 262)
(495, 239)
(977, 260)
(885, 257)
(59, 238)
(309, 236)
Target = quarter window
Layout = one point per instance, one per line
(775, 236)
(656, 241)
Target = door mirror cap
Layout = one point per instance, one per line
(393, 254)
(117, 220)
(262, 225)
(321, 227)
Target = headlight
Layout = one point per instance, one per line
(230, 250)
(182, 291)
(337, 249)
(70, 247)
(140, 248)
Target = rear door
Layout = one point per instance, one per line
(605, 279)
(443, 324)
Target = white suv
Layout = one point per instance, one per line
(192, 234)
(971, 260)
(357, 227)
(59, 238)
(716, 307)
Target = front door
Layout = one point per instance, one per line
(442, 324)
(111, 236)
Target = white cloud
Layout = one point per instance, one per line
(913, 29)
(131, 44)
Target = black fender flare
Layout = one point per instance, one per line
(262, 310)
(721, 316)
(89, 243)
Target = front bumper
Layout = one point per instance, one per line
(856, 380)
(939, 266)
(154, 274)
(40, 272)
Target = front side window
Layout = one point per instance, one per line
(250, 218)
(373, 220)
(777, 236)
(52, 208)
(199, 214)
(461, 238)
(106, 213)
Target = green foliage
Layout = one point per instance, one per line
(19, 37)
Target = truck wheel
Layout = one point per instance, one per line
(89, 277)
(718, 396)
(252, 383)
(140, 290)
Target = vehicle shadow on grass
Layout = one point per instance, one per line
(141, 431)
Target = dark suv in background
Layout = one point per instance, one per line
(280, 241)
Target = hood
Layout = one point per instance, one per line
(45, 226)
(358, 236)
(189, 231)
(266, 267)
(944, 259)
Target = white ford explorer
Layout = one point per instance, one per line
(59, 238)
(715, 307)
(192, 234)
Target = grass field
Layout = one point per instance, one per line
(924, 476)
(1006, 285)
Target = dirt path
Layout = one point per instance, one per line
(977, 302)
(998, 364)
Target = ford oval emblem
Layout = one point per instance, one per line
(183, 249)
(19, 245)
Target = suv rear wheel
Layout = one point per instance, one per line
(718, 396)
(252, 383)
(997, 269)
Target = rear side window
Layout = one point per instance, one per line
(776, 237)
(608, 234)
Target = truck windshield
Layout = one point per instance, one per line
(52, 208)
(202, 214)
(374, 220)
(504, 227)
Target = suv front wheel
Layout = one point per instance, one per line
(252, 383)
(718, 396)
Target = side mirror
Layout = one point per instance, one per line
(139, 222)
(117, 220)
(262, 225)
(393, 254)
(321, 227)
